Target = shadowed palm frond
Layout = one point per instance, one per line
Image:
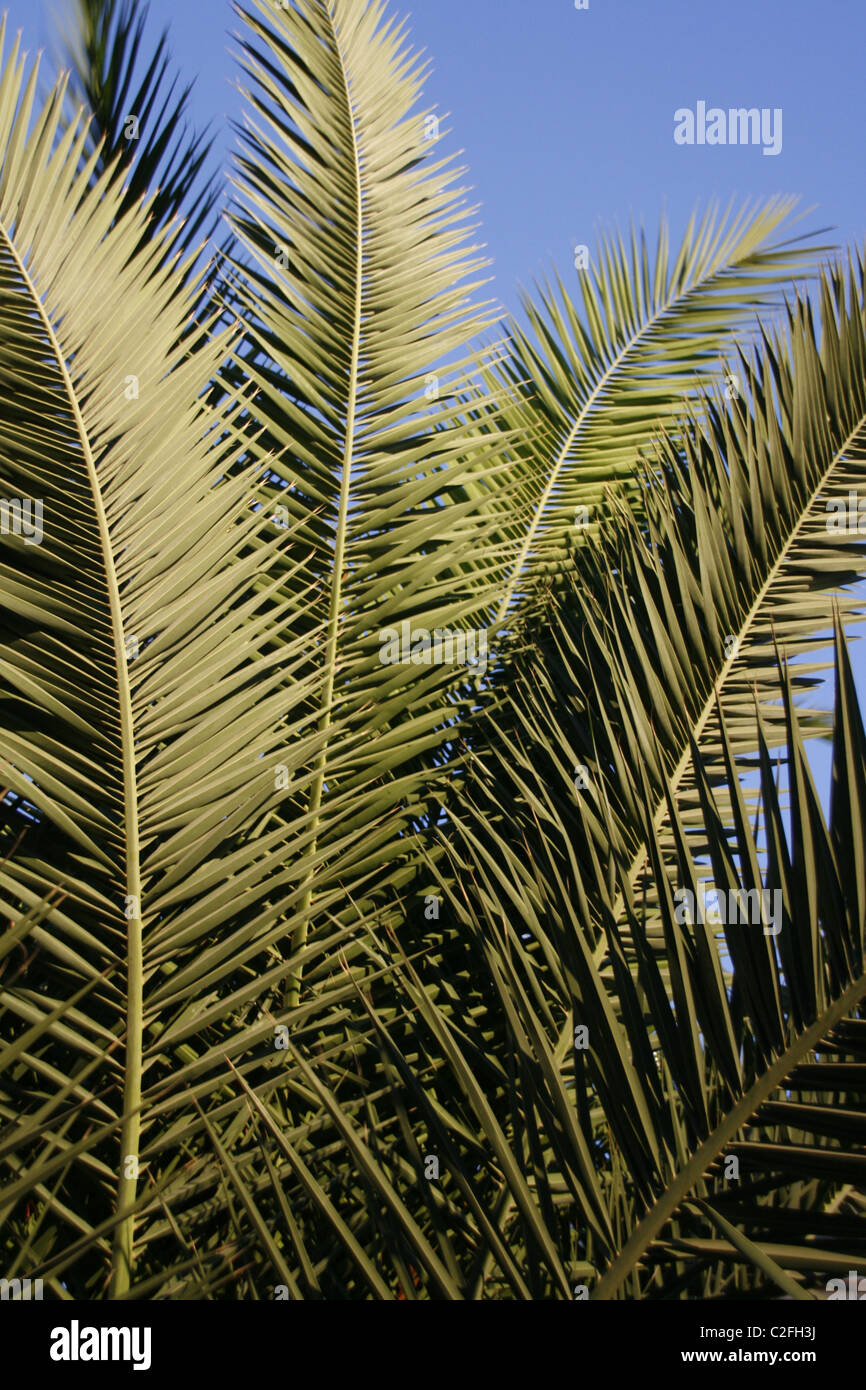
(141, 128)
(683, 1129)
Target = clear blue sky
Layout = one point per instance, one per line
(566, 116)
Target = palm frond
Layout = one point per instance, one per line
(641, 1135)
(141, 129)
(599, 375)
(143, 713)
(360, 288)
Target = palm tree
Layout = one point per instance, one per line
(328, 976)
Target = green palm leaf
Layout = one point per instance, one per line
(143, 713)
(360, 292)
(656, 1158)
(599, 375)
(327, 973)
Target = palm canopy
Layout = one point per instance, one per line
(303, 943)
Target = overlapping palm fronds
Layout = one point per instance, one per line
(334, 974)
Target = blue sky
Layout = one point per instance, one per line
(566, 116)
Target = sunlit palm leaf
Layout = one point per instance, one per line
(598, 374)
(143, 713)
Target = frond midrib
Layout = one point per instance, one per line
(639, 862)
(609, 374)
(122, 1260)
(714, 1144)
(336, 600)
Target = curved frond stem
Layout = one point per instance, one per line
(686, 1181)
